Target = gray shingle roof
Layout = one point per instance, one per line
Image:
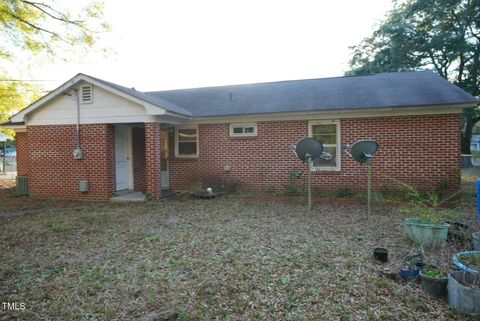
(396, 90)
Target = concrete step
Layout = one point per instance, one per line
(130, 197)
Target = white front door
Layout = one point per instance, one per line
(122, 158)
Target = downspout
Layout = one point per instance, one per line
(77, 152)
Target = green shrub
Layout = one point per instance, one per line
(345, 192)
(293, 190)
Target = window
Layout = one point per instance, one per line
(328, 132)
(243, 129)
(186, 142)
(86, 94)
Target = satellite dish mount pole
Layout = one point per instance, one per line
(309, 181)
(369, 187)
(362, 151)
(310, 149)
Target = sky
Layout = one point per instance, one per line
(158, 45)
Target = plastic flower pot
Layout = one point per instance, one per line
(460, 259)
(464, 292)
(426, 234)
(410, 274)
(436, 286)
(380, 254)
(476, 241)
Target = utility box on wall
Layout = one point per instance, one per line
(84, 186)
(77, 153)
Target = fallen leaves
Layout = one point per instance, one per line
(219, 259)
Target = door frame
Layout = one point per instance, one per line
(165, 155)
(129, 156)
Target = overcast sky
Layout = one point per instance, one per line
(181, 44)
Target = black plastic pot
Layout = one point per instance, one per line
(380, 254)
(434, 286)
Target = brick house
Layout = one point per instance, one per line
(110, 138)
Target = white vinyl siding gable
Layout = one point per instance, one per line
(105, 108)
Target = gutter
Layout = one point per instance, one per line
(337, 113)
(18, 127)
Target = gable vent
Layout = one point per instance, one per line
(87, 94)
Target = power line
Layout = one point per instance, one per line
(27, 80)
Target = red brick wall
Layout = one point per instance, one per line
(421, 150)
(21, 141)
(138, 155)
(152, 165)
(53, 172)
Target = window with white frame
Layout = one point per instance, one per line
(328, 132)
(86, 94)
(243, 129)
(186, 142)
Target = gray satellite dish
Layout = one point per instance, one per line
(309, 147)
(363, 150)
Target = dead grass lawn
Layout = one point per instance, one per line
(221, 259)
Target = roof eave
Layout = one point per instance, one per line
(151, 109)
(65, 87)
(18, 127)
(341, 113)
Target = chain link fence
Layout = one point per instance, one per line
(8, 167)
(470, 166)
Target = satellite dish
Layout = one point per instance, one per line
(309, 147)
(363, 150)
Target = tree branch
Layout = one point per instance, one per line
(39, 6)
(54, 34)
(432, 58)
